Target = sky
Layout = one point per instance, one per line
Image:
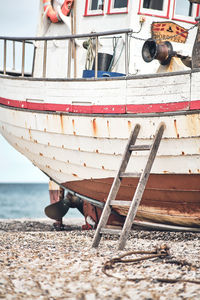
(18, 18)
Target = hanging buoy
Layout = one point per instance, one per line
(52, 14)
(66, 7)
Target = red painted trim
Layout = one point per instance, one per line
(109, 7)
(94, 15)
(183, 20)
(198, 10)
(156, 108)
(111, 11)
(139, 8)
(86, 8)
(168, 9)
(150, 15)
(82, 109)
(194, 104)
(154, 15)
(104, 109)
(117, 12)
(36, 106)
(109, 109)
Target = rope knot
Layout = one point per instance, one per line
(163, 250)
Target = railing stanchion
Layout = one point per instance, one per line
(96, 57)
(69, 58)
(23, 57)
(94, 36)
(126, 54)
(13, 55)
(4, 57)
(45, 59)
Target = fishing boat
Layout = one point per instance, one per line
(98, 69)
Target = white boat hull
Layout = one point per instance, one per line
(74, 133)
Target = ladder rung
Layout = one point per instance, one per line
(137, 197)
(120, 203)
(126, 174)
(110, 231)
(140, 147)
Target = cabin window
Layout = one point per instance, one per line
(120, 3)
(117, 6)
(153, 4)
(185, 11)
(94, 7)
(184, 8)
(158, 8)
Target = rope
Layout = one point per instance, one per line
(90, 53)
(114, 54)
(159, 252)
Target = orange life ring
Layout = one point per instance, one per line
(52, 14)
(66, 7)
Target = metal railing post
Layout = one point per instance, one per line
(45, 59)
(94, 36)
(23, 57)
(69, 58)
(126, 54)
(13, 55)
(4, 57)
(96, 57)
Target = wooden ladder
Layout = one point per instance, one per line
(133, 205)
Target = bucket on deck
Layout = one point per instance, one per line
(104, 60)
(91, 74)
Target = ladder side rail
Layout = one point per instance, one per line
(140, 187)
(127, 153)
(115, 186)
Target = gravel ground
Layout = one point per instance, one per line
(39, 263)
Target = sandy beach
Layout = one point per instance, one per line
(39, 263)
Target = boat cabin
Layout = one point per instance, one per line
(113, 31)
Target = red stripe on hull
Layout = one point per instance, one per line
(160, 107)
(104, 109)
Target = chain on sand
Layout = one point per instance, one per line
(161, 252)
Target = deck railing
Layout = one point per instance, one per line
(71, 38)
(23, 42)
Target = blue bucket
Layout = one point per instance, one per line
(91, 74)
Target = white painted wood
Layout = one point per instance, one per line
(159, 90)
(109, 146)
(65, 156)
(177, 126)
(74, 147)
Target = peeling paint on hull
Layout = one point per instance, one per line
(169, 199)
(82, 146)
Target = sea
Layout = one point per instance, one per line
(27, 200)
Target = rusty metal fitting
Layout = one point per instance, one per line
(161, 51)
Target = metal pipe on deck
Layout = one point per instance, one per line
(45, 59)
(4, 60)
(65, 37)
(96, 57)
(69, 58)
(23, 57)
(13, 55)
(126, 54)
